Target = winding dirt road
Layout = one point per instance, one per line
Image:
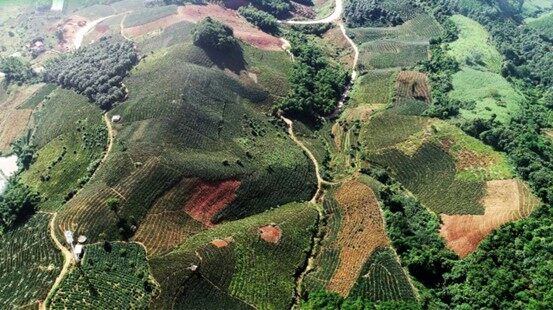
(337, 14)
(67, 260)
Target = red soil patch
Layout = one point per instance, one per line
(219, 243)
(505, 201)
(195, 13)
(270, 233)
(101, 28)
(209, 198)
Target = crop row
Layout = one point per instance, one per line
(111, 275)
(29, 263)
(383, 279)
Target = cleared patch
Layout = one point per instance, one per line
(412, 85)
(209, 198)
(195, 13)
(219, 243)
(505, 201)
(270, 233)
(361, 233)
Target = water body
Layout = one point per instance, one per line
(8, 167)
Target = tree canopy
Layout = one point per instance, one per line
(212, 34)
(16, 203)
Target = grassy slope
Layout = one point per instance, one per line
(254, 271)
(474, 41)
(483, 91)
(194, 120)
(70, 135)
(490, 91)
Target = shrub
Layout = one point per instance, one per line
(263, 20)
(212, 34)
(360, 13)
(16, 203)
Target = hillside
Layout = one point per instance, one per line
(283, 154)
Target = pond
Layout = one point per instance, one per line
(8, 167)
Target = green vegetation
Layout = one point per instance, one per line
(212, 34)
(383, 54)
(328, 300)
(167, 37)
(111, 275)
(383, 279)
(277, 8)
(484, 95)
(473, 47)
(316, 83)
(17, 70)
(369, 13)
(148, 15)
(38, 97)
(249, 269)
(544, 25)
(29, 263)
(96, 71)
(374, 87)
(17, 203)
(206, 123)
(261, 19)
(70, 138)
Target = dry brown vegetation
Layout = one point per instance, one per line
(14, 121)
(413, 85)
(362, 231)
(505, 201)
(195, 13)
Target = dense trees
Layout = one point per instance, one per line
(16, 203)
(277, 8)
(214, 35)
(261, 19)
(316, 84)
(362, 13)
(96, 71)
(331, 301)
(17, 70)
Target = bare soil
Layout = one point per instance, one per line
(209, 198)
(270, 233)
(195, 13)
(505, 201)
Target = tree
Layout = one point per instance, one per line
(263, 20)
(16, 70)
(24, 150)
(16, 203)
(212, 34)
(113, 204)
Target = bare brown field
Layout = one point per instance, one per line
(413, 85)
(209, 198)
(195, 13)
(13, 121)
(505, 201)
(362, 231)
(270, 233)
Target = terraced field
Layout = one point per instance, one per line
(111, 275)
(71, 138)
(383, 279)
(442, 166)
(29, 263)
(180, 131)
(412, 93)
(232, 266)
(395, 47)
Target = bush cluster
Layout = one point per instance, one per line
(261, 19)
(96, 71)
(214, 35)
(363, 13)
(316, 84)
